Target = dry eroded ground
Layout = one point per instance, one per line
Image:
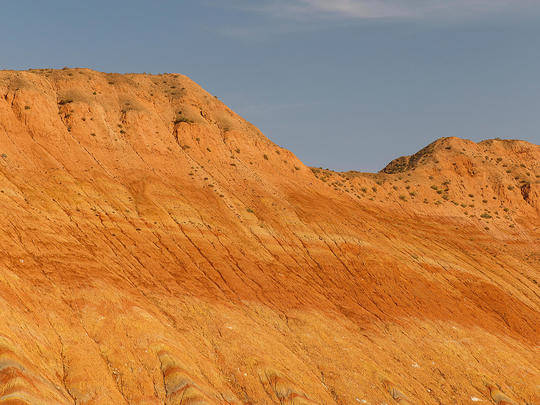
(156, 248)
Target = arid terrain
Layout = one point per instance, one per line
(156, 248)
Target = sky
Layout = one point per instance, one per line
(344, 84)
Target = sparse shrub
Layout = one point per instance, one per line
(403, 198)
(65, 101)
(26, 107)
(485, 215)
(265, 156)
(182, 119)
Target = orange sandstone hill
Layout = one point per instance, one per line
(158, 249)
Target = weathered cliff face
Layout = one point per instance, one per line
(157, 248)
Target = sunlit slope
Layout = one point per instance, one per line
(157, 248)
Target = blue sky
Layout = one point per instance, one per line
(344, 84)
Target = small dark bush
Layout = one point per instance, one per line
(182, 119)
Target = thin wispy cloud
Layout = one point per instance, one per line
(283, 17)
(369, 9)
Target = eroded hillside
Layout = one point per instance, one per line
(494, 184)
(157, 248)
